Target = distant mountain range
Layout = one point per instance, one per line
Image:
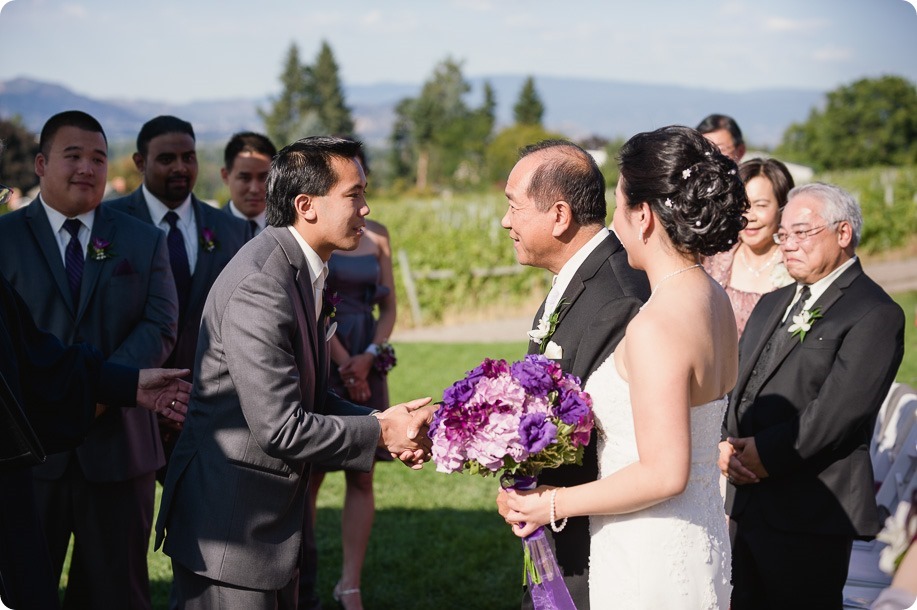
(577, 108)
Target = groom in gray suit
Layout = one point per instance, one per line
(92, 274)
(261, 410)
(556, 219)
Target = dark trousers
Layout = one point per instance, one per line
(110, 523)
(775, 569)
(196, 592)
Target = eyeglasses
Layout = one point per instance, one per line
(6, 193)
(783, 237)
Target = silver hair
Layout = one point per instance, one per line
(839, 205)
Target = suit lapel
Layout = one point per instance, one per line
(138, 208)
(203, 270)
(104, 229)
(38, 224)
(303, 281)
(586, 272)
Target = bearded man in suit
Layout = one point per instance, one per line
(200, 238)
(556, 219)
(815, 363)
(91, 274)
(261, 411)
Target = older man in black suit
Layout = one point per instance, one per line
(91, 274)
(556, 219)
(816, 360)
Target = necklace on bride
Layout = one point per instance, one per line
(670, 276)
(758, 271)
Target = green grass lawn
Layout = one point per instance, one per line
(438, 541)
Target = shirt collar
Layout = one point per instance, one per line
(818, 288)
(158, 209)
(260, 219)
(318, 269)
(57, 219)
(562, 280)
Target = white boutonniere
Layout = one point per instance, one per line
(329, 332)
(546, 326)
(897, 534)
(803, 321)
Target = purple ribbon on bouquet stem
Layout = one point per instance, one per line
(540, 571)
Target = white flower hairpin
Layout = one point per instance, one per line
(686, 173)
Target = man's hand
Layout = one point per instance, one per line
(162, 391)
(739, 461)
(401, 426)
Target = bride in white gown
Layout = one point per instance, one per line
(659, 535)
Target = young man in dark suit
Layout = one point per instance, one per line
(815, 363)
(91, 274)
(200, 238)
(556, 219)
(247, 161)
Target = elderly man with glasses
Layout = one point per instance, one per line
(815, 362)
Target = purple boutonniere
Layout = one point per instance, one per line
(209, 240)
(331, 301)
(100, 250)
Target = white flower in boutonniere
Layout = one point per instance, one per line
(803, 321)
(546, 326)
(898, 533)
(553, 351)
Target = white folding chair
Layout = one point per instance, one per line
(894, 423)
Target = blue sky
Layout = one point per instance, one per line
(183, 50)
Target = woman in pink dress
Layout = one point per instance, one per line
(755, 265)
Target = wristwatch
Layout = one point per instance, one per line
(373, 349)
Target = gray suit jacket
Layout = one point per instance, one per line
(234, 498)
(128, 309)
(231, 234)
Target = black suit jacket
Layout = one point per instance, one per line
(813, 418)
(602, 297)
(231, 233)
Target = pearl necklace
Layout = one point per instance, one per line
(757, 272)
(670, 276)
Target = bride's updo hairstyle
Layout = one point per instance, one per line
(694, 190)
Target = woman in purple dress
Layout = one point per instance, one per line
(359, 282)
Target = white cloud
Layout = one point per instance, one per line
(785, 24)
(832, 53)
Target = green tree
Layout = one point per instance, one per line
(528, 109)
(17, 164)
(869, 122)
(503, 151)
(328, 94)
(284, 118)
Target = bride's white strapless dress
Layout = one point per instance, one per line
(675, 554)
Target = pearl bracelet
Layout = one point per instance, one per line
(556, 528)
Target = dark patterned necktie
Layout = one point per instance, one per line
(178, 259)
(254, 226)
(73, 258)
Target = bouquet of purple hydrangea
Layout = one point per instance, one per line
(516, 420)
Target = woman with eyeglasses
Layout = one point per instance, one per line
(754, 266)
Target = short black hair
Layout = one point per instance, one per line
(304, 168)
(158, 126)
(715, 122)
(68, 118)
(572, 175)
(247, 141)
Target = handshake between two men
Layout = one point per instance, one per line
(404, 431)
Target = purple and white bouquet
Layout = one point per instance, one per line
(516, 419)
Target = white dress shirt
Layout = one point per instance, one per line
(818, 288)
(318, 270)
(562, 279)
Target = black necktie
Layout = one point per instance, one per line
(804, 295)
(178, 258)
(73, 257)
(254, 226)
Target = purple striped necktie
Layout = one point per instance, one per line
(73, 258)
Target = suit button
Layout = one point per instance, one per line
(754, 371)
